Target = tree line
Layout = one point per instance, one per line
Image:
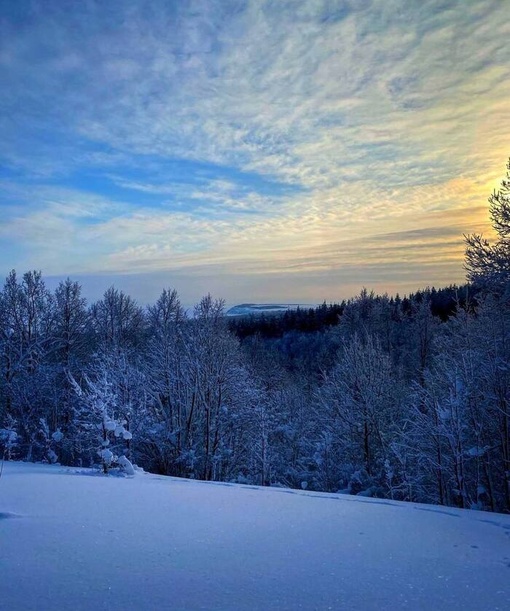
(400, 398)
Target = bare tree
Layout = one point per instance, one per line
(489, 264)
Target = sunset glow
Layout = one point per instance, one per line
(258, 150)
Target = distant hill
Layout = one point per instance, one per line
(248, 309)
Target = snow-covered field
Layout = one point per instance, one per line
(70, 539)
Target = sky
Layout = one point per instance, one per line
(259, 150)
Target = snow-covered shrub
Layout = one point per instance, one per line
(101, 426)
(8, 443)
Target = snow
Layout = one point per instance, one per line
(57, 436)
(74, 539)
(106, 456)
(110, 425)
(126, 465)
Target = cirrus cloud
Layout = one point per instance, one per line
(281, 139)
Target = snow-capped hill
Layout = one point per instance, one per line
(74, 539)
(246, 309)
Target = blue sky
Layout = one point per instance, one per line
(259, 150)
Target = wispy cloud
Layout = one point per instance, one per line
(258, 136)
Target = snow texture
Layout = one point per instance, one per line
(68, 541)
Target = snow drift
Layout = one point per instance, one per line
(72, 539)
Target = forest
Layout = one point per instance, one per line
(402, 398)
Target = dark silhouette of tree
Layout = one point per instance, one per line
(488, 265)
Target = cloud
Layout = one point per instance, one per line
(259, 136)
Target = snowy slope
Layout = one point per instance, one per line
(73, 540)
